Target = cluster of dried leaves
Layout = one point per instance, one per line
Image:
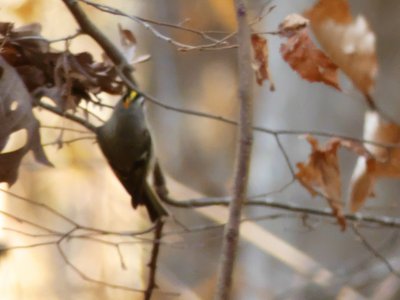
(64, 77)
(31, 69)
(347, 45)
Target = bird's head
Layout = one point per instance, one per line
(132, 98)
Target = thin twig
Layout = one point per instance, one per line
(68, 142)
(375, 252)
(68, 116)
(142, 21)
(40, 204)
(68, 220)
(62, 128)
(24, 247)
(214, 45)
(88, 113)
(274, 192)
(40, 38)
(285, 155)
(265, 11)
(83, 275)
(30, 223)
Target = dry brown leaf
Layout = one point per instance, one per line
(321, 173)
(260, 48)
(128, 43)
(349, 42)
(16, 114)
(303, 56)
(385, 161)
(362, 183)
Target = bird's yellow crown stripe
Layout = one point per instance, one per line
(130, 98)
(133, 95)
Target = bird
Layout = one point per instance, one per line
(126, 143)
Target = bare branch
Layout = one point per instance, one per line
(383, 221)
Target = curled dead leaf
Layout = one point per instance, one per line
(362, 183)
(260, 49)
(384, 162)
(321, 174)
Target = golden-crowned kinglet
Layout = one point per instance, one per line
(126, 143)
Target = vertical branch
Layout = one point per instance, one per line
(245, 142)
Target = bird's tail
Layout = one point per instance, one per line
(153, 203)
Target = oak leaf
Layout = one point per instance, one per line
(303, 56)
(16, 114)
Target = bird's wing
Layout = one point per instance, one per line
(133, 174)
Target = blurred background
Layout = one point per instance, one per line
(288, 257)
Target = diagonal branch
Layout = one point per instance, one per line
(68, 116)
(374, 251)
(90, 29)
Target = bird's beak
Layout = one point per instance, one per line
(126, 103)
